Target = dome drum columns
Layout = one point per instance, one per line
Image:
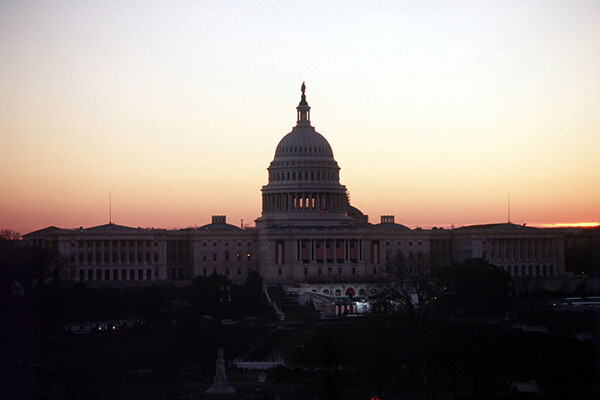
(319, 202)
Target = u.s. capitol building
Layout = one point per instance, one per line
(307, 232)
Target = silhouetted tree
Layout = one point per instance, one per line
(477, 287)
(210, 295)
(9, 234)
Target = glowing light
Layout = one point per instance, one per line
(568, 225)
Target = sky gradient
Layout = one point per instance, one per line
(435, 110)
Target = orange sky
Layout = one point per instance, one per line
(435, 112)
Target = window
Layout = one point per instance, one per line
(339, 271)
(204, 271)
(305, 271)
(249, 256)
(374, 270)
(226, 271)
(239, 271)
(320, 271)
(353, 271)
(214, 257)
(279, 271)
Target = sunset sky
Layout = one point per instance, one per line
(435, 110)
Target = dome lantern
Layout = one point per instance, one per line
(303, 108)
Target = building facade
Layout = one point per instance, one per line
(307, 232)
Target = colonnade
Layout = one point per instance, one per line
(304, 202)
(109, 252)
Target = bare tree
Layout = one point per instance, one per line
(9, 234)
(413, 287)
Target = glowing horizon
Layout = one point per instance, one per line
(434, 111)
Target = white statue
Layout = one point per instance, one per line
(220, 384)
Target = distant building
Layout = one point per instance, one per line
(307, 232)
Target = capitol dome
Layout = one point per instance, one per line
(304, 182)
(303, 141)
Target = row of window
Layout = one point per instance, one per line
(238, 256)
(330, 271)
(99, 244)
(116, 274)
(305, 175)
(113, 257)
(537, 242)
(239, 244)
(530, 270)
(523, 254)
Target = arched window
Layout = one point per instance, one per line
(107, 275)
(338, 292)
(90, 275)
(115, 274)
(132, 274)
(326, 291)
(350, 292)
(148, 274)
(140, 274)
(124, 274)
(98, 274)
(81, 275)
(361, 292)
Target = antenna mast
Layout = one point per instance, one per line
(509, 207)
